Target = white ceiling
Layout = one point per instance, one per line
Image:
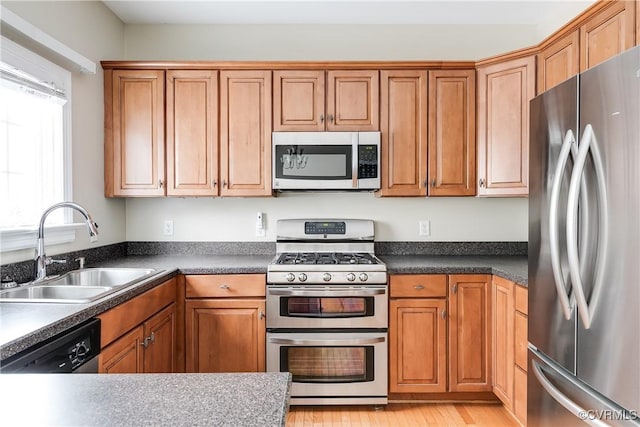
(544, 13)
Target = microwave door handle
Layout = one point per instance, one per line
(354, 162)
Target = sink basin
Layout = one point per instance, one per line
(46, 293)
(78, 286)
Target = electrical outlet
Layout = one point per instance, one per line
(425, 228)
(167, 228)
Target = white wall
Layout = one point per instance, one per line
(233, 219)
(95, 32)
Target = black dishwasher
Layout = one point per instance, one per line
(73, 351)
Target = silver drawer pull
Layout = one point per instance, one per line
(418, 287)
(224, 287)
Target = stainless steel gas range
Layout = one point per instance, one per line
(327, 312)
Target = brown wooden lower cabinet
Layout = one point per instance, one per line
(140, 334)
(225, 323)
(469, 332)
(503, 347)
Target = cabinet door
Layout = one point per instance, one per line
(504, 92)
(245, 133)
(452, 133)
(134, 133)
(470, 333)
(159, 352)
(352, 100)
(123, 356)
(298, 100)
(225, 335)
(607, 34)
(403, 126)
(417, 346)
(558, 61)
(503, 336)
(192, 133)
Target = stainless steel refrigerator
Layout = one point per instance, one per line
(584, 250)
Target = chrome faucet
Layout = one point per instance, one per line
(41, 259)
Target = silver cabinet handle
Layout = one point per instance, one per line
(321, 118)
(326, 342)
(568, 145)
(224, 287)
(224, 183)
(482, 182)
(454, 288)
(152, 337)
(214, 183)
(418, 287)
(261, 315)
(161, 183)
(145, 342)
(330, 118)
(443, 314)
(563, 400)
(328, 293)
(588, 143)
(433, 183)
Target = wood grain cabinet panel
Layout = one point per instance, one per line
(159, 354)
(504, 92)
(558, 61)
(503, 340)
(417, 346)
(470, 333)
(403, 125)
(134, 133)
(318, 100)
(124, 356)
(245, 133)
(192, 132)
(607, 33)
(452, 133)
(225, 335)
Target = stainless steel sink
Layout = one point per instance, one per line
(78, 286)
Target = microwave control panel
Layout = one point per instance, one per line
(367, 161)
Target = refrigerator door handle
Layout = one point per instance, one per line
(568, 145)
(563, 400)
(588, 143)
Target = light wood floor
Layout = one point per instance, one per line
(402, 414)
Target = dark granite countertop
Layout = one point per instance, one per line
(513, 268)
(23, 324)
(248, 399)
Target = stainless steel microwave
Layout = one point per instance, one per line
(326, 160)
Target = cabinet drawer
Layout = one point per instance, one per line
(418, 286)
(520, 327)
(522, 295)
(225, 286)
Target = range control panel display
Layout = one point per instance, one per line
(325, 227)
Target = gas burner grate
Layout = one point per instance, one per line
(326, 258)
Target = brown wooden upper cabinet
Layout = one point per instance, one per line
(403, 126)
(134, 133)
(245, 133)
(558, 61)
(192, 133)
(504, 91)
(452, 133)
(318, 100)
(607, 33)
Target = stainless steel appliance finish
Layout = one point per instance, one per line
(327, 311)
(74, 351)
(584, 249)
(326, 160)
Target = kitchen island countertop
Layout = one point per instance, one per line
(245, 399)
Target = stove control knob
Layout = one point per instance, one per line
(326, 277)
(351, 277)
(290, 277)
(302, 277)
(363, 277)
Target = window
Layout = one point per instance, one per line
(34, 143)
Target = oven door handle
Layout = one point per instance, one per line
(327, 293)
(326, 342)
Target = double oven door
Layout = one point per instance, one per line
(333, 340)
